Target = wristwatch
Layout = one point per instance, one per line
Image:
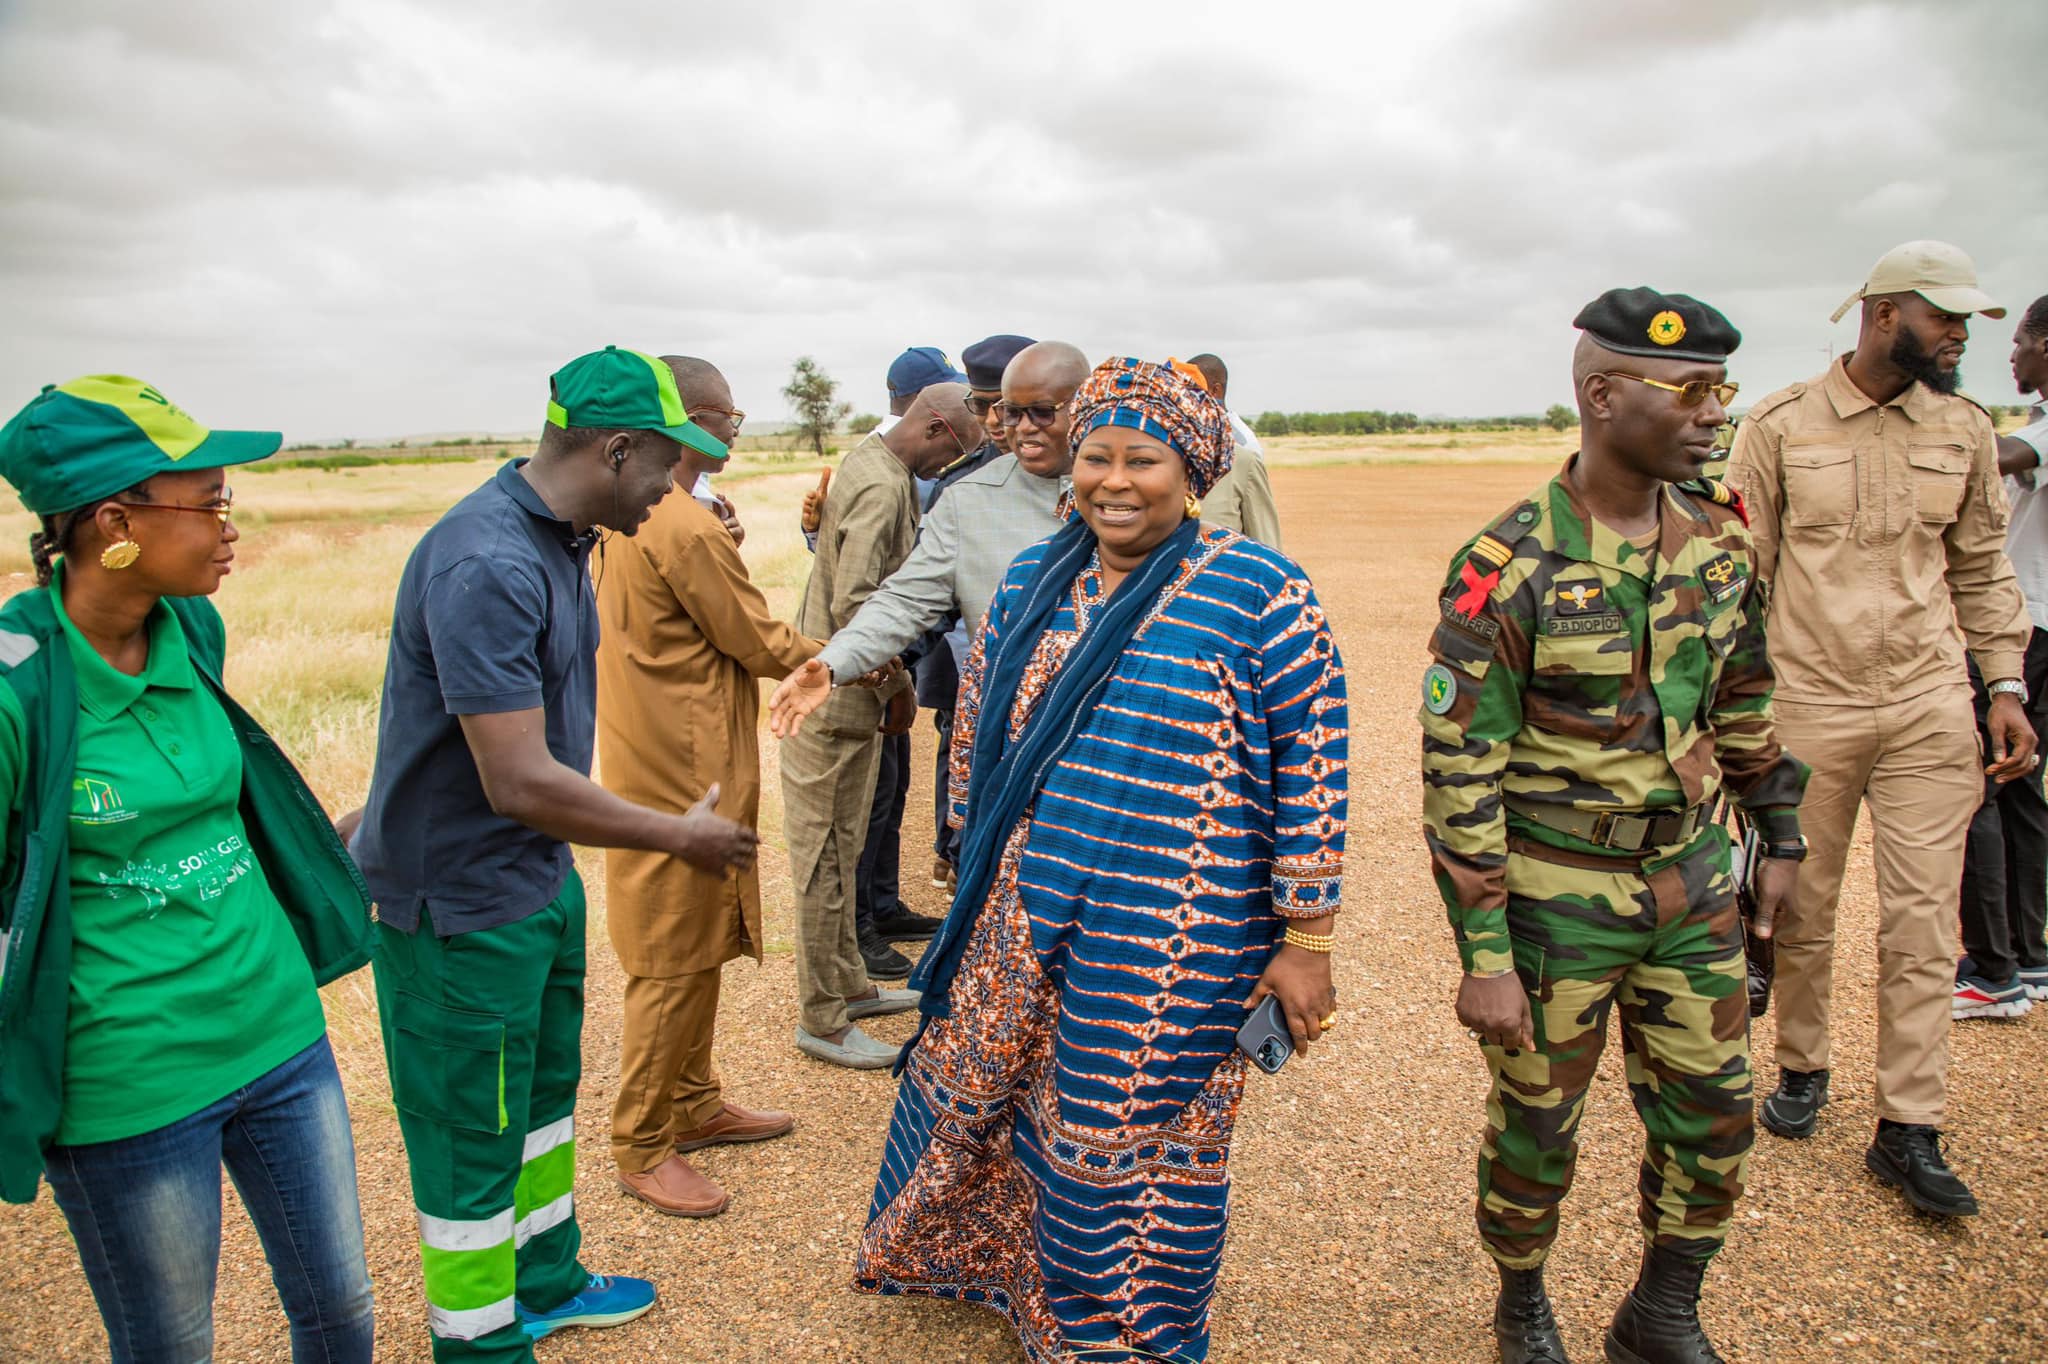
(2010, 686)
(1792, 851)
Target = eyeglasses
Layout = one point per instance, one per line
(732, 414)
(1690, 394)
(979, 405)
(965, 449)
(219, 510)
(1042, 415)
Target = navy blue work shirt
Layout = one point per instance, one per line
(495, 613)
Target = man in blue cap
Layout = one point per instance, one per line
(944, 648)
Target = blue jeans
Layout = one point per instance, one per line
(145, 1212)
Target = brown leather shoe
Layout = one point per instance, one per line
(733, 1123)
(674, 1187)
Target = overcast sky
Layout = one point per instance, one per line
(374, 217)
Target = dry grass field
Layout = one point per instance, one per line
(1351, 1238)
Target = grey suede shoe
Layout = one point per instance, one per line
(858, 1051)
(886, 1001)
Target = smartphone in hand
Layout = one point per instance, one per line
(1264, 1036)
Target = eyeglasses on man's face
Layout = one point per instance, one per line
(731, 414)
(979, 405)
(1042, 415)
(1690, 394)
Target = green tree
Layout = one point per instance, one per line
(1560, 417)
(863, 422)
(1270, 424)
(812, 393)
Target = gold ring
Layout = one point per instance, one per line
(1328, 1023)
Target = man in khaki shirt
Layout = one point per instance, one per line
(828, 769)
(1879, 520)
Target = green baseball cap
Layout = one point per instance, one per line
(625, 389)
(78, 442)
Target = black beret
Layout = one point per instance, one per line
(987, 358)
(1669, 326)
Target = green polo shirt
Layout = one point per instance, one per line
(186, 979)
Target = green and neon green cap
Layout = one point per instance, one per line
(628, 390)
(78, 442)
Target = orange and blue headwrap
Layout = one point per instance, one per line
(1164, 404)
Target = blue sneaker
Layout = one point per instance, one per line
(607, 1300)
(2034, 980)
(1976, 997)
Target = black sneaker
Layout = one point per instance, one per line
(883, 961)
(1794, 1109)
(902, 925)
(1908, 1156)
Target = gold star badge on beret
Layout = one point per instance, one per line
(1667, 328)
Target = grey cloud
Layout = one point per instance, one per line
(374, 218)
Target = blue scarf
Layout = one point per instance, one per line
(1004, 776)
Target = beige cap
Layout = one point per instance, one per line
(1940, 273)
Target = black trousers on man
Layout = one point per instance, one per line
(945, 839)
(878, 883)
(2005, 859)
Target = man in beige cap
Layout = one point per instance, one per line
(1875, 502)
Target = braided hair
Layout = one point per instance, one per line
(55, 536)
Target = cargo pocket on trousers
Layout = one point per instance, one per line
(449, 1064)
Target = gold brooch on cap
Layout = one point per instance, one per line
(1667, 328)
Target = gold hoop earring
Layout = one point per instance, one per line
(119, 555)
(1194, 507)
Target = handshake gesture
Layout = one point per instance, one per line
(804, 690)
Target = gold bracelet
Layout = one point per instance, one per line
(1310, 942)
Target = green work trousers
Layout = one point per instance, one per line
(483, 1033)
(1666, 945)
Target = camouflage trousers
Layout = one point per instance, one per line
(1667, 947)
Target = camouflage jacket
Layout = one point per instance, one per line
(1572, 669)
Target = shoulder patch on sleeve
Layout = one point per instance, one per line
(1720, 494)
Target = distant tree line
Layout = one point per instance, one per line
(1374, 423)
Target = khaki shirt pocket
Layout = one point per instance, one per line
(1941, 472)
(1820, 485)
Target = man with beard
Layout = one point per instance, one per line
(1874, 499)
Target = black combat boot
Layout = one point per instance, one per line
(1794, 1109)
(1658, 1322)
(1909, 1156)
(1522, 1321)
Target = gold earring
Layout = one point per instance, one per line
(119, 555)
(1194, 507)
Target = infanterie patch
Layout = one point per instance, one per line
(1439, 689)
(1723, 577)
(1602, 623)
(1579, 599)
(1471, 625)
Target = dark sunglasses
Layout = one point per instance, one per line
(979, 405)
(1042, 415)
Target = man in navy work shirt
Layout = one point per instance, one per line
(482, 782)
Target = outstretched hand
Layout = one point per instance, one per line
(796, 696)
(710, 842)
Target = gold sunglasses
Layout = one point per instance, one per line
(1690, 394)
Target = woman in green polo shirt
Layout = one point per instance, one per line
(171, 897)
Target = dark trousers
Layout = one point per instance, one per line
(945, 840)
(2005, 860)
(878, 883)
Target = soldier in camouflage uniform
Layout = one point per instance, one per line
(1599, 677)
